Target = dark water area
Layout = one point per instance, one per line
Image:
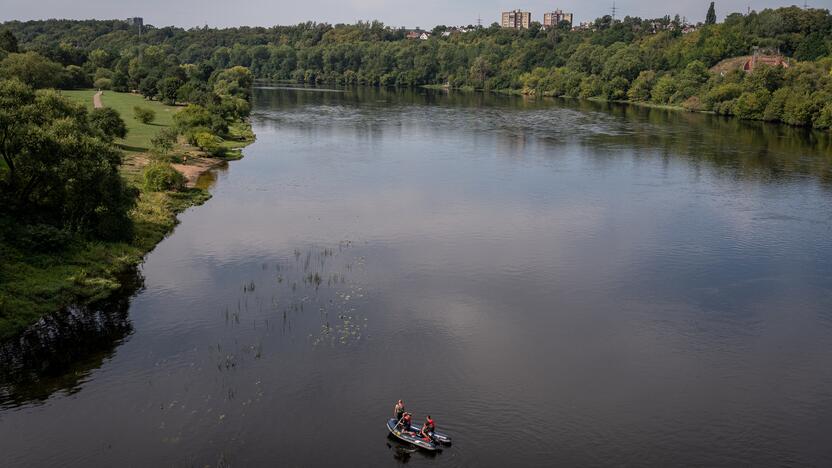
(555, 282)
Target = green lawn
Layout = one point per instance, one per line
(138, 134)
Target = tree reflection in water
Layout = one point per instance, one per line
(62, 349)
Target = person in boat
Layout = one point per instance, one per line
(398, 411)
(406, 421)
(428, 428)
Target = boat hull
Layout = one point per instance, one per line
(411, 437)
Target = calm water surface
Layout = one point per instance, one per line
(557, 283)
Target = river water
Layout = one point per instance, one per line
(555, 282)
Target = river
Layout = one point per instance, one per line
(555, 282)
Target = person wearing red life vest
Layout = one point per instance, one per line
(428, 428)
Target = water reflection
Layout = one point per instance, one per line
(509, 265)
(60, 352)
(732, 147)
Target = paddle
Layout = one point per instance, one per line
(400, 421)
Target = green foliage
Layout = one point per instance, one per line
(209, 143)
(42, 238)
(616, 88)
(721, 93)
(642, 85)
(664, 89)
(163, 142)
(33, 69)
(710, 17)
(161, 177)
(194, 116)
(824, 119)
(752, 104)
(57, 171)
(144, 115)
(8, 42)
(108, 122)
(103, 83)
(168, 89)
(796, 110)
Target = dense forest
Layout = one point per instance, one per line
(655, 61)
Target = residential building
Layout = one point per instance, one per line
(417, 34)
(554, 18)
(516, 19)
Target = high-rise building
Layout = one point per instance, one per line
(516, 19)
(554, 18)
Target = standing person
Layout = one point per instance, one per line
(398, 411)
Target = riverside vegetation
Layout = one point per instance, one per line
(637, 60)
(87, 192)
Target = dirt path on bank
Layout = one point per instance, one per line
(96, 100)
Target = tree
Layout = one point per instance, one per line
(710, 18)
(33, 69)
(144, 115)
(163, 141)
(108, 122)
(640, 89)
(147, 87)
(8, 42)
(58, 172)
(168, 89)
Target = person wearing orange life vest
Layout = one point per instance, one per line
(428, 428)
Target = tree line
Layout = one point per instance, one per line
(634, 59)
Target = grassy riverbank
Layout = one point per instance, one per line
(33, 284)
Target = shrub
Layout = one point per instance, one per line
(107, 121)
(43, 238)
(210, 144)
(640, 90)
(103, 83)
(144, 115)
(752, 105)
(692, 104)
(723, 92)
(824, 119)
(163, 141)
(160, 177)
(663, 90)
(191, 133)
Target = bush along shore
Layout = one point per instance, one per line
(89, 190)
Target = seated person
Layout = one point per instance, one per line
(428, 428)
(406, 420)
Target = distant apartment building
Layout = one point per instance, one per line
(554, 18)
(516, 19)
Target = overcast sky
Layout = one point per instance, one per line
(409, 13)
